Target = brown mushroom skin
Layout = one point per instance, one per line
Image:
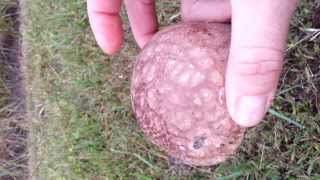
(178, 94)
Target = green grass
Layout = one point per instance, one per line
(5, 23)
(83, 127)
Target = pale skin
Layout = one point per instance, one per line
(259, 35)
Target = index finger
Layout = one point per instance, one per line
(106, 23)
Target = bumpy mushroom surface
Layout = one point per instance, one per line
(178, 93)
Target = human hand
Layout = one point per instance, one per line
(259, 34)
(107, 26)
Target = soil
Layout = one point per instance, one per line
(13, 133)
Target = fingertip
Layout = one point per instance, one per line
(110, 50)
(143, 20)
(111, 46)
(245, 121)
(142, 40)
(108, 32)
(248, 111)
(106, 24)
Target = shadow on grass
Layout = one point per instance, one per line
(13, 130)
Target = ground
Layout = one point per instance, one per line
(13, 134)
(82, 126)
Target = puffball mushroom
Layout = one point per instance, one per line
(178, 93)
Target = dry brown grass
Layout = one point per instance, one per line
(13, 134)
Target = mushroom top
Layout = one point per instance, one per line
(178, 94)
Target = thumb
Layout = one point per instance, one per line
(259, 34)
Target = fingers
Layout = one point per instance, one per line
(206, 10)
(106, 23)
(143, 20)
(259, 34)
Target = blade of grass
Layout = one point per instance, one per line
(137, 156)
(283, 117)
(231, 176)
(145, 161)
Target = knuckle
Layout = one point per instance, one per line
(261, 75)
(147, 2)
(254, 61)
(262, 67)
(256, 70)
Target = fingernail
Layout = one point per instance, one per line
(250, 110)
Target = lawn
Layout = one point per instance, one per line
(82, 126)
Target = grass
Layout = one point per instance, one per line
(13, 134)
(81, 119)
